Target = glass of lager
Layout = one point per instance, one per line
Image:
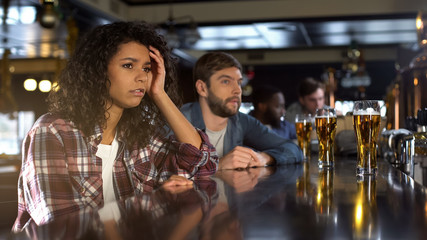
(326, 127)
(366, 122)
(304, 126)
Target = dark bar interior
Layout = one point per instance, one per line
(359, 50)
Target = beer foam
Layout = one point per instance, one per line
(368, 111)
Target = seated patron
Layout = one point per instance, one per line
(311, 95)
(101, 140)
(241, 141)
(269, 108)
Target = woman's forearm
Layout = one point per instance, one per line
(182, 128)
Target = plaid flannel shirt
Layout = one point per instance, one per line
(61, 174)
(155, 215)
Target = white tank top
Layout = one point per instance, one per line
(108, 154)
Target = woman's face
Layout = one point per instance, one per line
(130, 75)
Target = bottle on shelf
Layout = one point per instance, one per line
(420, 143)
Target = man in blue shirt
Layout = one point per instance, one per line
(241, 141)
(269, 108)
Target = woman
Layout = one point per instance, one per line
(102, 138)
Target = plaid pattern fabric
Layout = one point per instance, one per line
(61, 174)
(155, 215)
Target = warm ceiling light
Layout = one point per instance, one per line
(30, 84)
(55, 86)
(49, 17)
(420, 61)
(421, 23)
(45, 86)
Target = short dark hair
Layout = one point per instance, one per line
(211, 62)
(263, 93)
(309, 85)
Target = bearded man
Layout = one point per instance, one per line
(269, 108)
(241, 141)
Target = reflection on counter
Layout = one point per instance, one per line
(365, 211)
(304, 186)
(325, 207)
(283, 202)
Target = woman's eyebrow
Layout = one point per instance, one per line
(134, 60)
(130, 59)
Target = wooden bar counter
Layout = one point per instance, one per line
(285, 202)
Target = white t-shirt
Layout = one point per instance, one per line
(217, 140)
(108, 154)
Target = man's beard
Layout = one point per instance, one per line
(273, 121)
(218, 106)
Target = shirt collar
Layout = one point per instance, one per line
(96, 138)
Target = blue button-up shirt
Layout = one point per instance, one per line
(286, 130)
(244, 130)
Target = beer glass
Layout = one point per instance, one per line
(326, 127)
(366, 122)
(304, 126)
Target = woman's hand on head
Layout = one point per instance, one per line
(177, 184)
(157, 84)
(176, 180)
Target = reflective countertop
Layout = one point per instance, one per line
(285, 202)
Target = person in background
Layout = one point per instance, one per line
(241, 141)
(311, 95)
(269, 108)
(101, 140)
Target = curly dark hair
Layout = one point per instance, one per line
(83, 87)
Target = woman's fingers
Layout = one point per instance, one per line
(176, 180)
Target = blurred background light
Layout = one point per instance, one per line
(45, 86)
(30, 84)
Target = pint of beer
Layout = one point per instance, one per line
(326, 127)
(366, 122)
(304, 126)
